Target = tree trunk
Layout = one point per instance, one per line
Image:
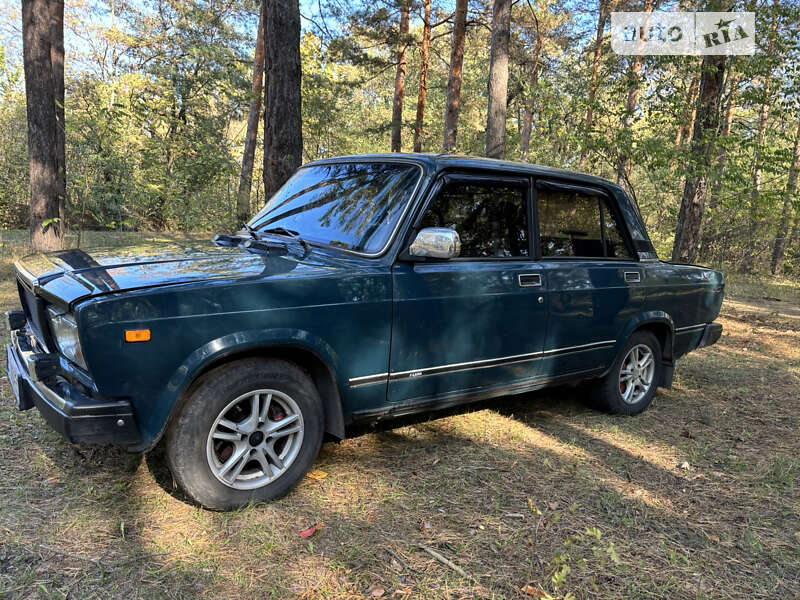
(283, 123)
(400, 79)
(424, 58)
(598, 54)
(755, 188)
(454, 81)
(690, 218)
(46, 234)
(782, 237)
(57, 63)
(251, 137)
(709, 232)
(527, 125)
(498, 80)
(685, 129)
(634, 77)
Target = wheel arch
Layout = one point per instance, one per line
(660, 324)
(307, 351)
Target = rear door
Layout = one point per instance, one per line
(476, 321)
(593, 282)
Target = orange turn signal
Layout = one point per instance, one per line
(137, 335)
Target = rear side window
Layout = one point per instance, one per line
(491, 218)
(572, 223)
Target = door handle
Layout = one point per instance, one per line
(530, 280)
(632, 277)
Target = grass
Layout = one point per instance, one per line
(533, 496)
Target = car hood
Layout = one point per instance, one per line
(68, 276)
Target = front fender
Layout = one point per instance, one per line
(217, 350)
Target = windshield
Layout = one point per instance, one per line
(355, 206)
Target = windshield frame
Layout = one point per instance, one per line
(412, 197)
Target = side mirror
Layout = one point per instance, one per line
(436, 242)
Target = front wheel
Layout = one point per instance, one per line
(247, 432)
(631, 383)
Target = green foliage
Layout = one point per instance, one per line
(156, 109)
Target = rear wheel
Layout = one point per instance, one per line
(631, 383)
(247, 432)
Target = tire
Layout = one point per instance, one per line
(247, 432)
(623, 393)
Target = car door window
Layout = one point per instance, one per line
(491, 218)
(615, 242)
(577, 224)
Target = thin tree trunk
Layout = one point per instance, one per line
(57, 62)
(41, 111)
(527, 125)
(400, 79)
(422, 97)
(454, 81)
(763, 119)
(690, 218)
(283, 123)
(782, 237)
(624, 159)
(598, 55)
(709, 232)
(498, 80)
(251, 137)
(685, 129)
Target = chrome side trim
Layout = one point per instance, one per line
(690, 328)
(465, 366)
(476, 364)
(368, 379)
(581, 348)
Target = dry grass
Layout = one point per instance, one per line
(696, 498)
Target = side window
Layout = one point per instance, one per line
(490, 218)
(569, 224)
(615, 243)
(576, 224)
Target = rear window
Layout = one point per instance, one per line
(578, 224)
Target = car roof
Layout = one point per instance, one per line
(439, 162)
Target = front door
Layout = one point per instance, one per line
(477, 321)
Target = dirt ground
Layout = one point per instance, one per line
(532, 496)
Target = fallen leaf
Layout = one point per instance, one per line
(532, 590)
(375, 591)
(713, 538)
(685, 466)
(317, 475)
(396, 565)
(553, 505)
(307, 533)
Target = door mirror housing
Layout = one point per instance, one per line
(435, 242)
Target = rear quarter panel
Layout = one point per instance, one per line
(690, 295)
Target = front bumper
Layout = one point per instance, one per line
(70, 411)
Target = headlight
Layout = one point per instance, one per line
(66, 333)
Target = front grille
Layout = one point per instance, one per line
(35, 312)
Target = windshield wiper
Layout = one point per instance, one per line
(291, 233)
(253, 233)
